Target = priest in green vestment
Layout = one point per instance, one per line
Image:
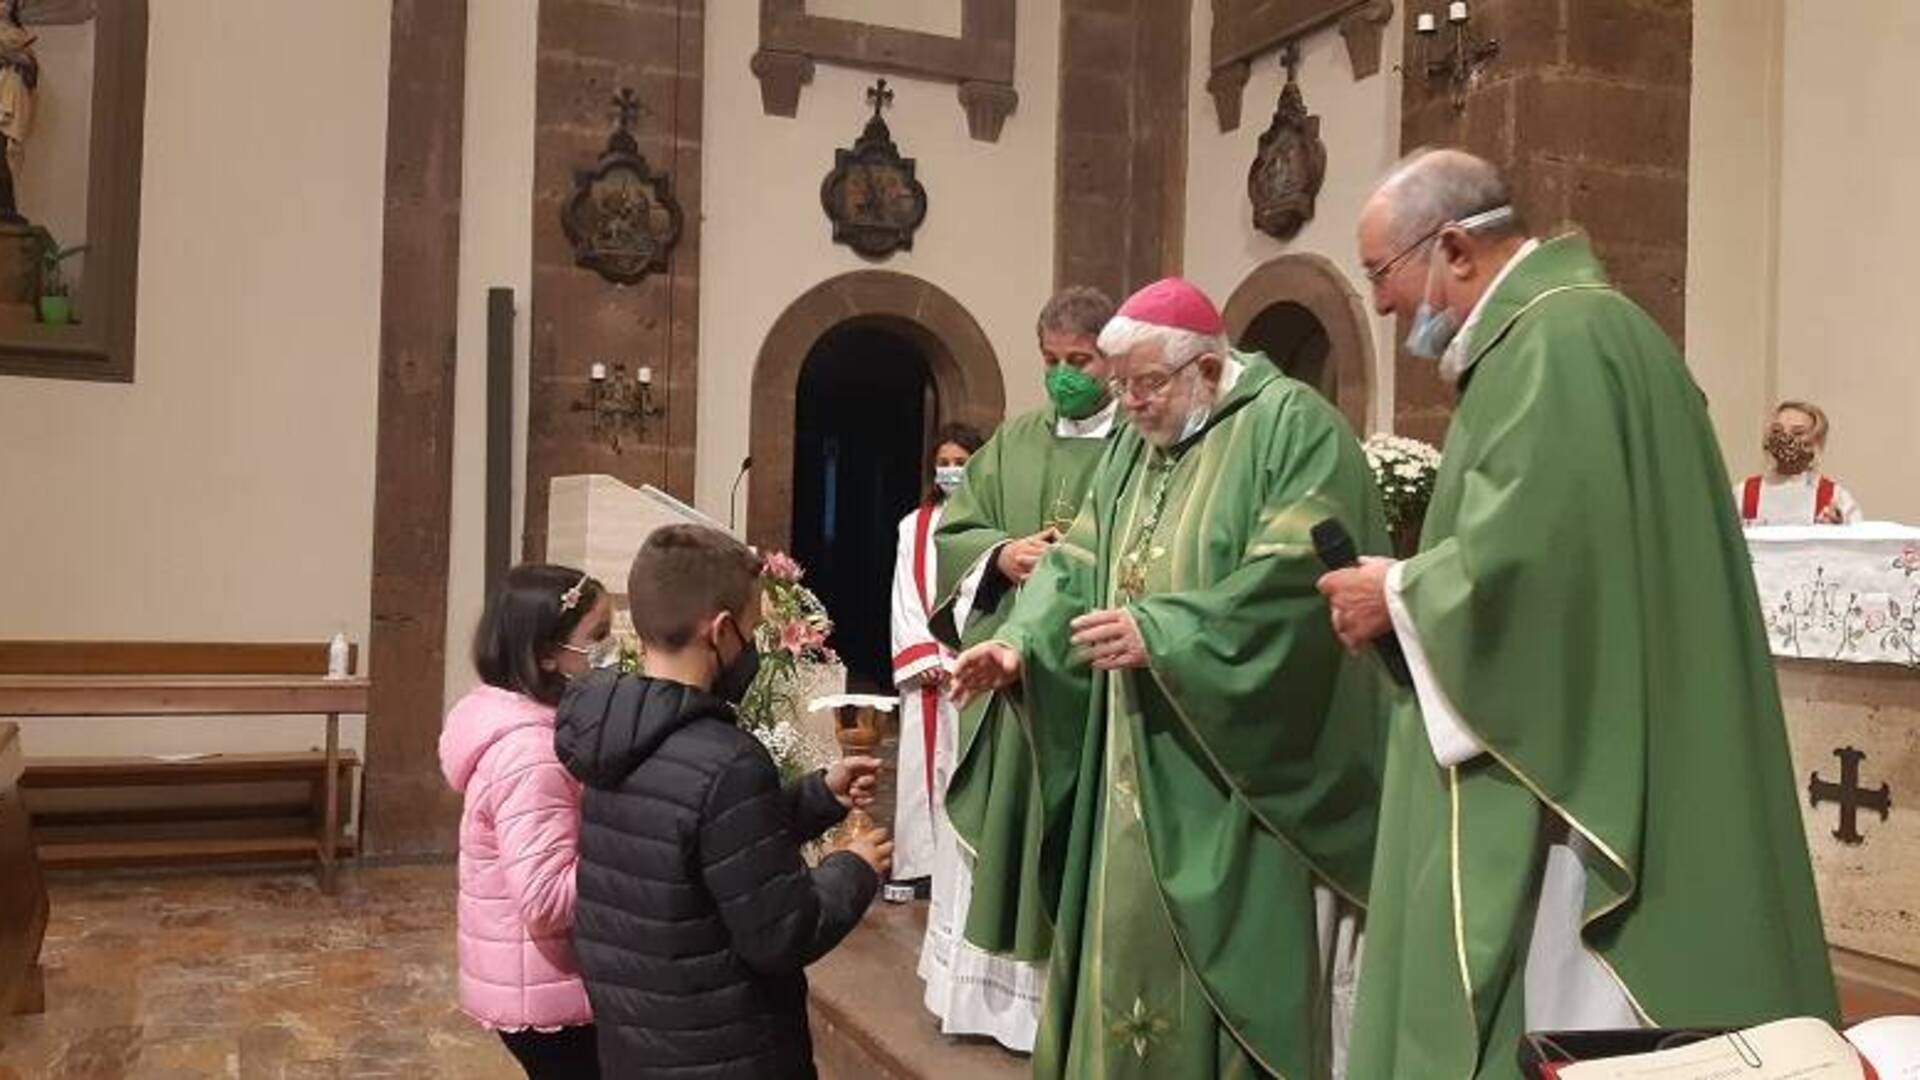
(988, 933)
(1589, 819)
(1205, 750)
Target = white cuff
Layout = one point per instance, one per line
(969, 588)
(1452, 743)
(905, 675)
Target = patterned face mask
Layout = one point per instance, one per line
(1791, 454)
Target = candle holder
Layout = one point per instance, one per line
(1464, 57)
(619, 404)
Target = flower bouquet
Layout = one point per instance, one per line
(1403, 470)
(792, 640)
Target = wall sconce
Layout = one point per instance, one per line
(619, 404)
(1463, 58)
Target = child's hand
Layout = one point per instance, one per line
(851, 780)
(875, 848)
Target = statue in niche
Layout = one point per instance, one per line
(622, 219)
(1290, 164)
(871, 196)
(19, 78)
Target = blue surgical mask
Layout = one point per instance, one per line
(1433, 329)
(948, 478)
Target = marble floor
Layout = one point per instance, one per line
(252, 975)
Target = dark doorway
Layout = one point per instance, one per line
(860, 430)
(1295, 341)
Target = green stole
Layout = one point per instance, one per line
(1585, 600)
(1191, 806)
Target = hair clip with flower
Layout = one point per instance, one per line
(571, 598)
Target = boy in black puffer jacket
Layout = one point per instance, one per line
(696, 915)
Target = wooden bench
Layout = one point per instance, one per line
(87, 679)
(23, 898)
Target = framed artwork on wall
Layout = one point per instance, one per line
(73, 79)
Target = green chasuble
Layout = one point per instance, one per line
(1026, 478)
(1585, 602)
(1199, 800)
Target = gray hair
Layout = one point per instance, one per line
(1431, 187)
(1122, 335)
(1077, 310)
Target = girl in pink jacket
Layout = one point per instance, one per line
(520, 828)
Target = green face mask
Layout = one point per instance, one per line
(1075, 393)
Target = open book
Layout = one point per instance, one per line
(1799, 1049)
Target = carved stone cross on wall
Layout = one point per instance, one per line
(1849, 794)
(879, 96)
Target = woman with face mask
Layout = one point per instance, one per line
(920, 666)
(1793, 491)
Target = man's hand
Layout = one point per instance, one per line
(1110, 640)
(986, 667)
(851, 780)
(1358, 597)
(875, 848)
(1829, 516)
(1017, 558)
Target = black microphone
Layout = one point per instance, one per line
(733, 498)
(1334, 545)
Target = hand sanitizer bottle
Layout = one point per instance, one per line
(337, 656)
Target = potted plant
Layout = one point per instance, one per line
(56, 300)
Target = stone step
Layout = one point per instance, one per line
(868, 1018)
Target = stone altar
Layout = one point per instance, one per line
(1839, 604)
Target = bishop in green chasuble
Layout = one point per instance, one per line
(1205, 751)
(1589, 817)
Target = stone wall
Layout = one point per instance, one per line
(1586, 106)
(588, 52)
(1122, 142)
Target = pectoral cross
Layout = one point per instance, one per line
(1849, 794)
(1141, 550)
(1061, 513)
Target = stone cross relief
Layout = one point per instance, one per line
(1850, 795)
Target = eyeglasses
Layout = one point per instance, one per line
(1148, 384)
(1379, 273)
(601, 654)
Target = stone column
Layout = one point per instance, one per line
(405, 802)
(1121, 202)
(1586, 108)
(588, 52)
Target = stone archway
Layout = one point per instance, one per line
(1314, 286)
(966, 374)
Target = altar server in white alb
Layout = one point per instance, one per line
(920, 665)
(1793, 490)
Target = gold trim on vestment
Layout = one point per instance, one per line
(1572, 822)
(1584, 286)
(1173, 924)
(1459, 907)
(1233, 785)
